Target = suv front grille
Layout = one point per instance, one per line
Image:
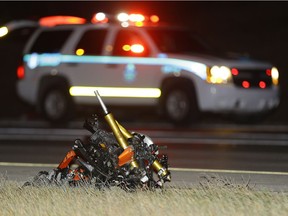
(253, 78)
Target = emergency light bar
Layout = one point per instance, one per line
(125, 19)
(49, 21)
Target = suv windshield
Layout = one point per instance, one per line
(178, 40)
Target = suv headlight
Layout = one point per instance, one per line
(3, 31)
(275, 75)
(218, 75)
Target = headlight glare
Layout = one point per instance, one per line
(219, 75)
(275, 75)
(3, 31)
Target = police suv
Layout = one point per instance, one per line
(133, 61)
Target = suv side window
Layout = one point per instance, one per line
(91, 42)
(50, 41)
(20, 35)
(130, 43)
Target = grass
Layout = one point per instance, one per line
(213, 196)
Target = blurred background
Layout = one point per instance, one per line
(256, 29)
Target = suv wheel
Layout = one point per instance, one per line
(180, 106)
(56, 105)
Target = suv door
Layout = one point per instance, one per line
(85, 68)
(131, 66)
(127, 67)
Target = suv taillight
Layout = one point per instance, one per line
(20, 72)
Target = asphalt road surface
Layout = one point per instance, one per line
(254, 154)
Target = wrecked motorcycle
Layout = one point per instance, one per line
(121, 158)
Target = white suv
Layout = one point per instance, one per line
(138, 64)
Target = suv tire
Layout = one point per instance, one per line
(56, 105)
(180, 105)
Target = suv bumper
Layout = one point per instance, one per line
(231, 99)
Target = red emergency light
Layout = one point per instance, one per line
(262, 84)
(20, 72)
(268, 72)
(234, 71)
(51, 21)
(245, 84)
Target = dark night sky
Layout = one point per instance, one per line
(252, 27)
(258, 28)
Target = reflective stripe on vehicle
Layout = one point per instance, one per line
(39, 60)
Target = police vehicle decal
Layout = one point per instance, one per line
(54, 60)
